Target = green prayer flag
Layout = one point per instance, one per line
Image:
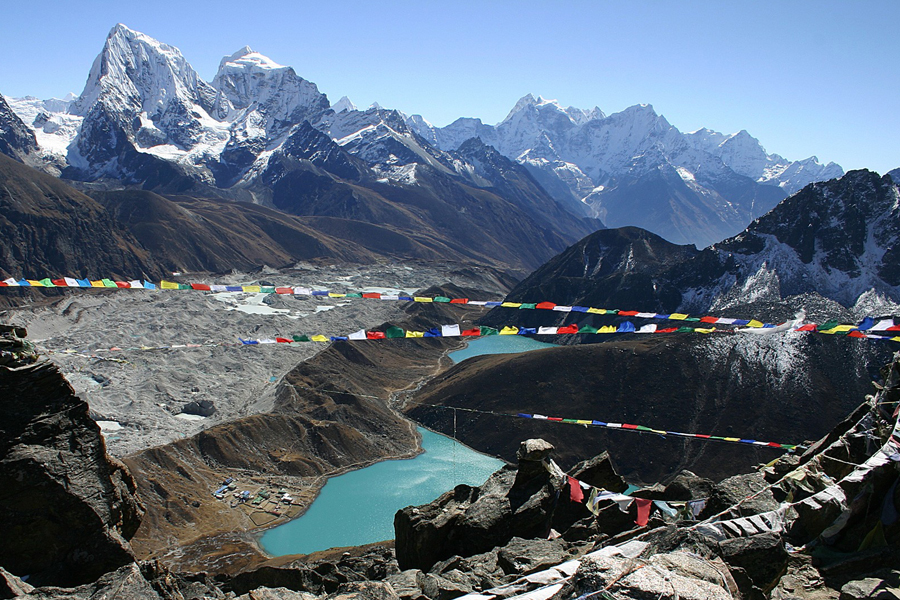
(267, 290)
(394, 332)
(301, 338)
(441, 299)
(692, 319)
(829, 325)
(587, 329)
(488, 330)
(184, 286)
(109, 283)
(685, 330)
(354, 295)
(528, 305)
(47, 283)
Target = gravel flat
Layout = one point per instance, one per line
(137, 396)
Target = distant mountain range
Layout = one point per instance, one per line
(838, 240)
(145, 118)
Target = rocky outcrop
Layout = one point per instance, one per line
(68, 507)
(512, 503)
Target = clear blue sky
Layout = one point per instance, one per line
(804, 77)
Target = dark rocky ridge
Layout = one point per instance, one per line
(817, 241)
(67, 509)
(48, 229)
(715, 385)
(16, 140)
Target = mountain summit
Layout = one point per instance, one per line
(634, 168)
(146, 118)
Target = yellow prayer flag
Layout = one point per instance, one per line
(597, 311)
(336, 295)
(678, 316)
(511, 304)
(168, 285)
(422, 299)
(838, 329)
(701, 330)
(97, 283)
(607, 329)
(509, 330)
(35, 283)
(583, 422)
(754, 323)
(319, 338)
(415, 334)
(732, 439)
(254, 289)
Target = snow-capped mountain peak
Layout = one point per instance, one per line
(135, 71)
(246, 57)
(344, 104)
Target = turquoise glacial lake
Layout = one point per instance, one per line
(358, 507)
(498, 344)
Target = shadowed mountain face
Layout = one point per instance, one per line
(16, 139)
(50, 229)
(768, 389)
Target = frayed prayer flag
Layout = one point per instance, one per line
(576, 494)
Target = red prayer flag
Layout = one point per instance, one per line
(709, 319)
(59, 282)
(575, 492)
(284, 290)
(122, 284)
(573, 328)
(282, 340)
(643, 511)
(475, 331)
(545, 305)
(628, 426)
(375, 335)
(668, 330)
(554, 418)
(459, 301)
(627, 313)
(200, 286)
(807, 327)
(374, 295)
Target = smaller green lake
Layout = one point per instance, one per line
(498, 344)
(358, 507)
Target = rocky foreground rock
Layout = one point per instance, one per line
(67, 508)
(823, 524)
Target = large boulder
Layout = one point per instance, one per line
(68, 509)
(679, 576)
(471, 520)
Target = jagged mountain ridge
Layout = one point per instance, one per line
(609, 163)
(146, 118)
(259, 132)
(838, 239)
(16, 139)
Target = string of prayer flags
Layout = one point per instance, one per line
(885, 328)
(642, 428)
